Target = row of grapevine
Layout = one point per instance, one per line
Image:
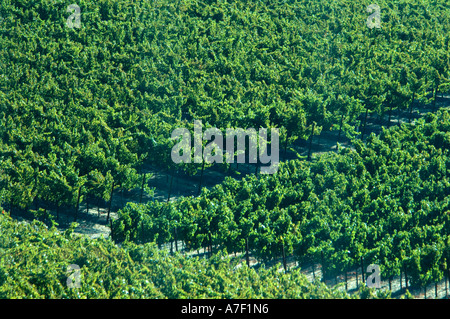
(34, 261)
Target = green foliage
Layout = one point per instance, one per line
(82, 111)
(385, 202)
(89, 107)
(33, 262)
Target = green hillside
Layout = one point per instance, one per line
(34, 259)
(86, 109)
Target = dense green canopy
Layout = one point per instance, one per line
(84, 109)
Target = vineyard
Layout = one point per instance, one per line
(34, 266)
(85, 110)
(385, 203)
